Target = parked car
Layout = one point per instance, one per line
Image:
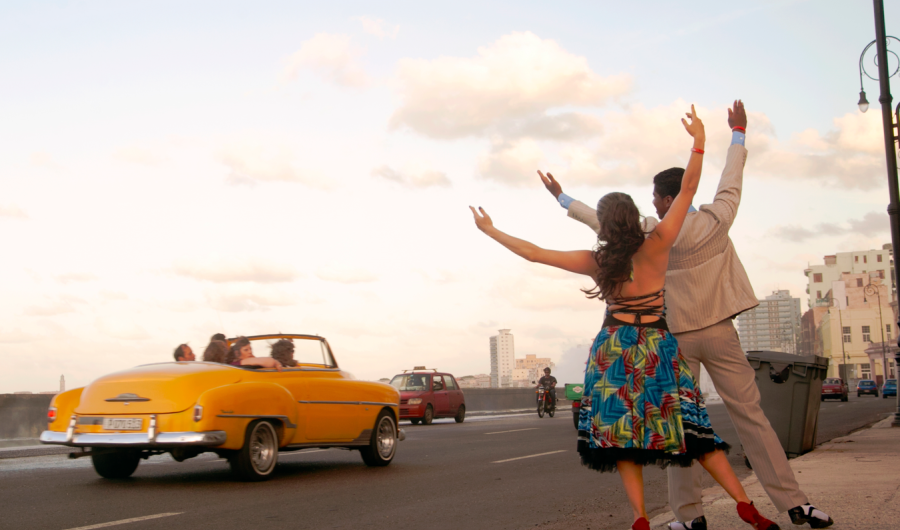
(573, 394)
(889, 388)
(244, 414)
(426, 394)
(835, 388)
(866, 386)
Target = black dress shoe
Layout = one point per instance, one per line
(810, 514)
(697, 524)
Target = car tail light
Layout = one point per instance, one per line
(198, 413)
(51, 414)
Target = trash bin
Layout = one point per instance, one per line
(573, 391)
(790, 388)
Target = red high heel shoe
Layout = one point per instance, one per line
(749, 514)
(641, 524)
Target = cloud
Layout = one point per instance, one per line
(332, 57)
(134, 154)
(43, 159)
(871, 224)
(413, 180)
(346, 275)
(16, 336)
(528, 292)
(12, 211)
(252, 159)
(48, 310)
(378, 27)
(517, 79)
(75, 277)
(236, 300)
(121, 329)
(513, 163)
(230, 269)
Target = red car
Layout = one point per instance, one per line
(835, 388)
(426, 394)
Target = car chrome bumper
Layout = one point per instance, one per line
(136, 439)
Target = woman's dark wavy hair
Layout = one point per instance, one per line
(283, 352)
(234, 353)
(620, 236)
(216, 352)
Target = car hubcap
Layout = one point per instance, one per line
(262, 448)
(386, 438)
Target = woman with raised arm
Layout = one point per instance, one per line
(641, 403)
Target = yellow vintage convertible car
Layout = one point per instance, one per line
(243, 414)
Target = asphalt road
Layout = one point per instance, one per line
(496, 472)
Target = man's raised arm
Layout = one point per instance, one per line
(577, 209)
(728, 194)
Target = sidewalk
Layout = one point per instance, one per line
(855, 479)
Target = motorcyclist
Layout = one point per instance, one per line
(548, 382)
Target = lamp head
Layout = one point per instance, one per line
(863, 102)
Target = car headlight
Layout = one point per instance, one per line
(415, 401)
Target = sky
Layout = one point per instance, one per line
(170, 170)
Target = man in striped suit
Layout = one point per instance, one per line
(706, 287)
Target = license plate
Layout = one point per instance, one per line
(123, 424)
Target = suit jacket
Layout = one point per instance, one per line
(706, 282)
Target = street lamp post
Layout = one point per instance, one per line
(871, 289)
(887, 123)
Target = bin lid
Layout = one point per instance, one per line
(778, 357)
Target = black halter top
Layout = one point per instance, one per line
(639, 306)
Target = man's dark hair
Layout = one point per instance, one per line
(218, 336)
(178, 353)
(668, 183)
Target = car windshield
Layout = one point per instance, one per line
(891, 382)
(832, 381)
(413, 382)
(307, 351)
(867, 383)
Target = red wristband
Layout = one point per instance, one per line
(743, 130)
(698, 151)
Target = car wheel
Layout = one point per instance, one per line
(823, 398)
(256, 460)
(884, 396)
(383, 446)
(575, 417)
(845, 398)
(876, 393)
(116, 463)
(415, 421)
(460, 414)
(858, 394)
(429, 415)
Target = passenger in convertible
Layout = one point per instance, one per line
(215, 352)
(241, 354)
(184, 353)
(283, 352)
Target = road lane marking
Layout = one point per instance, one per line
(529, 456)
(124, 521)
(516, 430)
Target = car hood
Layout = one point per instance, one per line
(407, 394)
(154, 388)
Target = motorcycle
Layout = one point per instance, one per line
(544, 403)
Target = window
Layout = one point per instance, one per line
(867, 334)
(846, 333)
(879, 274)
(819, 295)
(438, 383)
(817, 277)
(887, 327)
(878, 258)
(859, 282)
(866, 370)
(865, 259)
(856, 259)
(451, 384)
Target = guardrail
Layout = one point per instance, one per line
(23, 416)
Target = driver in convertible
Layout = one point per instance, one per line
(549, 384)
(241, 354)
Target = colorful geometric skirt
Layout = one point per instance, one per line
(641, 403)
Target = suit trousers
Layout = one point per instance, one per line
(718, 348)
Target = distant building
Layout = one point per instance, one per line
(773, 325)
(474, 381)
(820, 277)
(531, 368)
(503, 354)
(853, 326)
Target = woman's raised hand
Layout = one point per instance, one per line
(695, 127)
(482, 221)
